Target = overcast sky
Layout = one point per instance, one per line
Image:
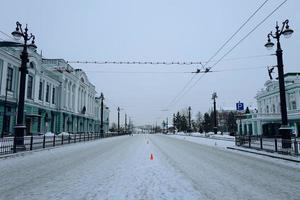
(159, 30)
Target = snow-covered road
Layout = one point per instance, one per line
(120, 168)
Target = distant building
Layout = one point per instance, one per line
(57, 98)
(267, 119)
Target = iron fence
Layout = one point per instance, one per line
(33, 142)
(269, 144)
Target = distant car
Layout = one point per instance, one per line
(49, 134)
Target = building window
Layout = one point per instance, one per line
(273, 107)
(294, 105)
(47, 93)
(29, 87)
(53, 95)
(10, 73)
(41, 91)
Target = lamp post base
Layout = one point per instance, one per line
(285, 133)
(215, 130)
(19, 138)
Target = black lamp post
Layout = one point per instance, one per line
(285, 30)
(118, 120)
(20, 127)
(190, 125)
(101, 122)
(125, 123)
(214, 96)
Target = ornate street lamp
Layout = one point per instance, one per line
(285, 30)
(19, 34)
(101, 122)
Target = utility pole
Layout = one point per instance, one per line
(118, 120)
(214, 96)
(125, 122)
(190, 126)
(167, 124)
(174, 123)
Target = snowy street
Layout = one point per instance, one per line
(121, 168)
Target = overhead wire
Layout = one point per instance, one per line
(240, 41)
(217, 52)
(7, 35)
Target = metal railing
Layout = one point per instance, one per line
(269, 144)
(33, 142)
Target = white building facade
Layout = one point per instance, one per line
(57, 98)
(267, 119)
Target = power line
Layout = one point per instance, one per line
(163, 62)
(176, 72)
(240, 41)
(217, 52)
(6, 35)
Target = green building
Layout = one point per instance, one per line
(58, 98)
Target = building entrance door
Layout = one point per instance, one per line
(28, 126)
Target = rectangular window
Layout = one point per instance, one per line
(53, 95)
(47, 93)
(29, 87)
(9, 80)
(294, 105)
(41, 91)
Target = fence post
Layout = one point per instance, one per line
(14, 145)
(62, 139)
(31, 141)
(296, 147)
(249, 141)
(276, 148)
(261, 143)
(54, 140)
(44, 141)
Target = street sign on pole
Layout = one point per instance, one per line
(239, 106)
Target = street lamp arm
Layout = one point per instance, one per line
(283, 25)
(272, 35)
(31, 37)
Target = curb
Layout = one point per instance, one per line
(263, 154)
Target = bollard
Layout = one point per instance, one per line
(261, 143)
(276, 148)
(62, 139)
(69, 138)
(44, 141)
(296, 147)
(54, 140)
(31, 141)
(75, 138)
(249, 141)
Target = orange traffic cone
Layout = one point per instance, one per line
(151, 157)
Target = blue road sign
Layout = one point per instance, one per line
(240, 106)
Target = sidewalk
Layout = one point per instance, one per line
(264, 153)
(227, 142)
